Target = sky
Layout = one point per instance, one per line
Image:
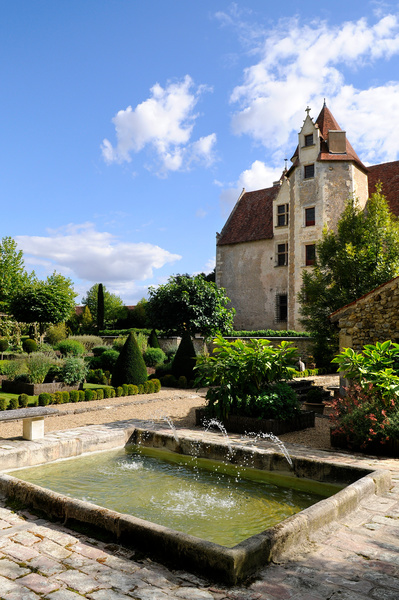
(129, 129)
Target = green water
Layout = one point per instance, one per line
(217, 503)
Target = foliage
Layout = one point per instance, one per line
(269, 333)
(49, 301)
(3, 403)
(3, 346)
(100, 307)
(185, 358)
(71, 347)
(89, 395)
(130, 366)
(29, 346)
(38, 365)
(243, 369)
(153, 340)
(88, 341)
(189, 303)
(12, 331)
(44, 399)
(277, 401)
(98, 350)
(13, 404)
(97, 376)
(133, 317)
(74, 395)
(12, 272)
(113, 304)
(12, 368)
(157, 385)
(105, 361)
(56, 333)
(361, 255)
(74, 370)
(154, 357)
(376, 364)
(315, 395)
(23, 400)
(125, 332)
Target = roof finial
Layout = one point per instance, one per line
(307, 109)
(324, 105)
(285, 164)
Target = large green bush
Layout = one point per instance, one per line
(185, 358)
(38, 365)
(71, 347)
(239, 372)
(74, 370)
(88, 341)
(29, 346)
(154, 357)
(130, 366)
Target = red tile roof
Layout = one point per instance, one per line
(388, 174)
(251, 219)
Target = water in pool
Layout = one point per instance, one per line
(219, 503)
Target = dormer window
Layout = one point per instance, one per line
(282, 215)
(309, 171)
(309, 140)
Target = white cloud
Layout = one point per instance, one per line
(301, 64)
(257, 177)
(84, 253)
(163, 123)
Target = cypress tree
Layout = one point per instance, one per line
(153, 340)
(100, 307)
(129, 367)
(185, 358)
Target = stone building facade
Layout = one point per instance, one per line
(372, 318)
(270, 235)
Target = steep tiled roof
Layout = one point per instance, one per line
(326, 122)
(388, 174)
(251, 219)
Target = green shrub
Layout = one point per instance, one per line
(87, 341)
(38, 365)
(57, 397)
(125, 389)
(119, 342)
(107, 392)
(97, 376)
(154, 356)
(276, 401)
(74, 396)
(100, 393)
(95, 397)
(184, 360)
(112, 392)
(12, 368)
(56, 333)
(157, 385)
(3, 345)
(266, 333)
(182, 382)
(54, 373)
(153, 340)
(169, 381)
(3, 403)
(71, 347)
(13, 404)
(88, 394)
(23, 400)
(44, 399)
(65, 397)
(29, 346)
(119, 391)
(315, 395)
(130, 389)
(73, 370)
(82, 395)
(141, 388)
(106, 360)
(130, 366)
(98, 350)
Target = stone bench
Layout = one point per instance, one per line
(33, 420)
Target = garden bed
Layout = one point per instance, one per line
(34, 389)
(389, 448)
(242, 424)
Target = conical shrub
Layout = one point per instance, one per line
(185, 358)
(153, 340)
(130, 366)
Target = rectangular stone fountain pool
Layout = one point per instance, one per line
(222, 550)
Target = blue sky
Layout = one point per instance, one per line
(129, 128)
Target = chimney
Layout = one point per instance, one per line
(337, 142)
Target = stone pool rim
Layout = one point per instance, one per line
(230, 565)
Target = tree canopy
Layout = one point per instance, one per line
(49, 301)
(362, 254)
(113, 304)
(13, 275)
(191, 304)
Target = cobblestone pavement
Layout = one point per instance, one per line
(356, 558)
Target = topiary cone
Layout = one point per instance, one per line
(185, 358)
(153, 340)
(129, 366)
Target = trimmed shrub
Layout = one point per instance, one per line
(23, 400)
(29, 346)
(315, 396)
(94, 395)
(112, 392)
(141, 388)
(82, 396)
(100, 393)
(3, 347)
(98, 350)
(56, 333)
(133, 389)
(130, 366)
(74, 396)
(3, 403)
(182, 382)
(44, 399)
(106, 360)
(154, 357)
(57, 398)
(88, 341)
(13, 404)
(119, 391)
(65, 397)
(107, 392)
(74, 370)
(71, 347)
(169, 381)
(96, 376)
(185, 358)
(153, 340)
(125, 389)
(88, 395)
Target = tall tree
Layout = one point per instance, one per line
(100, 307)
(191, 304)
(362, 254)
(113, 304)
(49, 301)
(12, 271)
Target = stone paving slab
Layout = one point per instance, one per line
(356, 558)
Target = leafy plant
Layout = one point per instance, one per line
(29, 346)
(88, 341)
(13, 404)
(154, 357)
(23, 400)
(71, 347)
(44, 399)
(38, 365)
(12, 368)
(3, 403)
(74, 370)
